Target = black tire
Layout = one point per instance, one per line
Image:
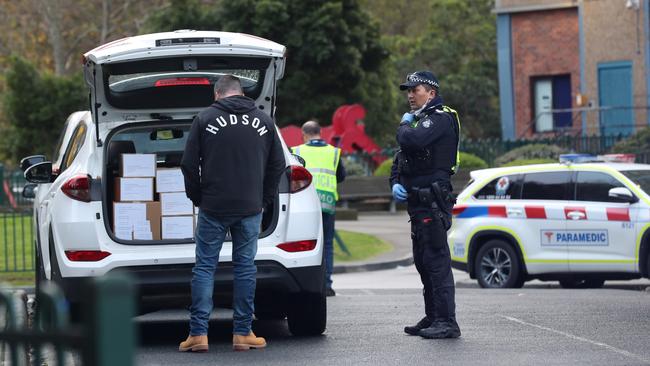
(582, 283)
(307, 315)
(39, 275)
(497, 265)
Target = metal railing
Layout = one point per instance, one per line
(108, 326)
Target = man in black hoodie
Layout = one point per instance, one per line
(232, 165)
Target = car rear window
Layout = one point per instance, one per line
(505, 187)
(546, 186)
(178, 82)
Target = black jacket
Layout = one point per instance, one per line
(233, 158)
(436, 137)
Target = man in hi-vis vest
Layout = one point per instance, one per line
(324, 163)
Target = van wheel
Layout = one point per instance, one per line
(307, 315)
(582, 283)
(498, 266)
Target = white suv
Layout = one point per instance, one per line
(579, 223)
(145, 91)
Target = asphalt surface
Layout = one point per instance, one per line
(526, 326)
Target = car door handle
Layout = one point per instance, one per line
(515, 212)
(576, 215)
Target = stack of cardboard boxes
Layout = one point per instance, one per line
(137, 214)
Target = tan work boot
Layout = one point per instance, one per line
(194, 344)
(244, 343)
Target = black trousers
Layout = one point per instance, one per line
(433, 262)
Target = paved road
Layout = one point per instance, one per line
(545, 326)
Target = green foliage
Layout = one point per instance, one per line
(532, 151)
(383, 170)
(334, 55)
(519, 162)
(637, 143)
(353, 167)
(471, 161)
(36, 107)
(183, 14)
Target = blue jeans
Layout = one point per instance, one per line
(328, 239)
(210, 233)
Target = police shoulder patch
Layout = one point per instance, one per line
(427, 123)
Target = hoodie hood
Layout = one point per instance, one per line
(236, 104)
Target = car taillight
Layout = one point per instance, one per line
(181, 81)
(77, 188)
(300, 178)
(86, 255)
(298, 246)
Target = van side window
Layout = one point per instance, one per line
(595, 186)
(76, 142)
(547, 186)
(507, 187)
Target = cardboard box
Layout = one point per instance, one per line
(175, 203)
(133, 189)
(170, 180)
(138, 165)
(125, 216)
(178, 227)
(154, 215)
(129, 219)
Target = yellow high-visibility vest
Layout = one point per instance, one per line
(322, 162)
(453, 112)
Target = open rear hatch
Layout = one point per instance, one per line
(145, 92)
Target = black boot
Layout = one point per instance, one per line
(441, 329)
(415, 329)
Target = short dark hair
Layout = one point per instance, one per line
(228, 84)
(311, 128)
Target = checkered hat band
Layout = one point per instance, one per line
(416, 79)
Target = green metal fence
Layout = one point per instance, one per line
(16, 242)
(105, 338)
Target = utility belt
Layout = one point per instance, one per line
(436, 200)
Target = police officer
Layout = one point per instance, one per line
(324, 162)
(428, 137)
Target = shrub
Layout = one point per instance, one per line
(637, 143)
(529, 162)
(353, 167)
(471, 161)
(383, 170)
(532, 151)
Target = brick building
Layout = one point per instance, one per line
(578, 67)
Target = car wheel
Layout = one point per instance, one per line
(270, 315)
(582, 283)
(307, 315)
(498, 266)
(39, 277)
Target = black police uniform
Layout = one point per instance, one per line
(428, 150)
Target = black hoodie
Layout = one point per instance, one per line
(240, 157)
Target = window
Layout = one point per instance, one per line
(639, 177)
(59, 146)
(546, 186)
(551, 93)
(595, 186)
(76, 142)
(502, 188)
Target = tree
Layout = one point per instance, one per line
(334, 55)
(36, 106)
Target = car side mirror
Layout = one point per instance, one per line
(31, 160)
(29, 190)
(39, 173)
(300, 159)
(623, 194)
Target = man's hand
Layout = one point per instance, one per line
(407, 118)
(399, 193)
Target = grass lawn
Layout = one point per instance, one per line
(361, 246)
(16, 244)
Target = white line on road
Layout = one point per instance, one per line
(577, 338)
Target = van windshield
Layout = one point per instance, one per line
(181, 82)
(640, 178)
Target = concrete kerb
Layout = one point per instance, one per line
(373, 266)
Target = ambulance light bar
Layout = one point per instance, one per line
(588, 158)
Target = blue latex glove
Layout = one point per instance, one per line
(399, 193)
(407, 118)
